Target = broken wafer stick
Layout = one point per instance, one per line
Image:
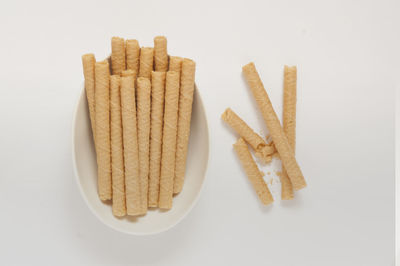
(271, 119)
(143, 125)
(157, 115)
(131, 149)
(146, 62)
(175, 63)
(261, 148)
(252, 172)
(103, 144)
(169, 140)
(117, 55)
(185, 113)
(88, 61)
(160, 53)
(132, 51)
(117, 149)
(289, 123)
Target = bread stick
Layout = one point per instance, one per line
(278, 135)
(169, 140)
(289, 123)
(175, 63)
(132, 51)
(146, 62)
(160, 53)
(143, 122)
(103, 147)
(117, 149)
(252, 172)
(157, 114)
(261, 148)
(185, 113)
(131, 149)
(88, 61)
(117, 55)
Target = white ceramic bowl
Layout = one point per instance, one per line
(156, 221)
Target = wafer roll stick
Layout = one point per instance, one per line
(160, 53)
(117, 55)
(262, 150)
(103, 145)
(278, 135)
(289, 123)
(185, 113)
(175, 63)
(131, 149)
(169, 140)
(252, 172)
(143, 120)
(132, 51)
(146, 62)
(88, 61)
(117, 149)
(157, 115)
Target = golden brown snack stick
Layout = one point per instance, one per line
(146, 62)
(103, 144)
(175, 63)
(271, 119)
(289, 123)
(117, 149)
(143, 122)
(88, 61)
(131, 149)
(169, 140)
(160, 53)
(261, 148)
(252, 172)
(185, 113)
(117, 55)
(128, 72)
(132, 50)
(157, 115)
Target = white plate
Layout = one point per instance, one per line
(156, 221)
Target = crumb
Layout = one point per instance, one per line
(278, 173)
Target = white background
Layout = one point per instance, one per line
(347, 58)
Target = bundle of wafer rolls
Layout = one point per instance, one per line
(140, 105)
(283, 136)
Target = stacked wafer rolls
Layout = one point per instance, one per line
(140, 117)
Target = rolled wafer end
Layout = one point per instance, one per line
(286, 186)
(253, 173)
(175, 63)
(118, 55)
(160, 53)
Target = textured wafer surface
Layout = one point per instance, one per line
(252, 172)
(185, 113)
(143, 122)
(278, 135)
(88, 61)
(157, 115)
(117, 149)
(132, 50)
(146, 62)
(261, 148)
(169, 140)
(175, 63)
(103, 147)
(117, 55)
(160, 53)
(131, 149)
